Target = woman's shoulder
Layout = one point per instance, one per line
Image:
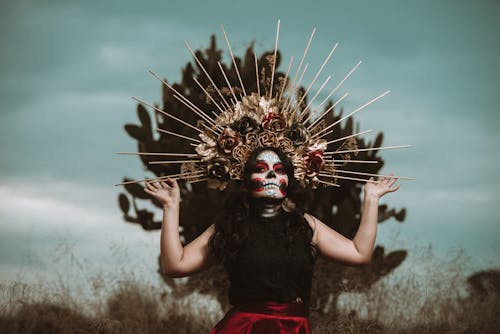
(311, 220)
(313, 223)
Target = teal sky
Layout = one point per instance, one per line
(69, 68)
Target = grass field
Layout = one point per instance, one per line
(445, 302)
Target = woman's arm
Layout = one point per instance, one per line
(359, 250)
(178, 261)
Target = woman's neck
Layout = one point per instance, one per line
(266, 207)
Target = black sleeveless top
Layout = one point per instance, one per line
(270, 267)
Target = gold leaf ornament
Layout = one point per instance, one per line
(268, 139)
(318, 145)
(241, 153)
(237, 171)
(286, 145)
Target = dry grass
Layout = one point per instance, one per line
(445, 303)
(130, 308)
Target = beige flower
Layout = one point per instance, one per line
(236, 171)
(205, 151)
(286, 145)
(252, 140)
(318, 145)
(241, 153)
(268, 138)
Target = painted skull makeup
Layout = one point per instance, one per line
(269, 178)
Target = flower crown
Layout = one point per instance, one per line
(257, 121)
(277, 118)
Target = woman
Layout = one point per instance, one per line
(267, 243)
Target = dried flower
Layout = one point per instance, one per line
(274, 122)
(236, 171)
(252, 140)
(286, 145)
(298, 134)
(245, 125)
(314, 162)
(218, 168)
(228, 140)
(267, 138)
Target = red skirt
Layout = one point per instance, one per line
(265, 318)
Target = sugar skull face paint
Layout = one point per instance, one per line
(269, 178)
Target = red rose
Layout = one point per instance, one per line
(314, 162)
(273, 122)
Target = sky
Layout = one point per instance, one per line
(69, 69)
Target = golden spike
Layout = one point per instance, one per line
(161, 162)
(161, 178)
(286, 78)
(186, 177)
(209, 95)
(327, 133)
(303, 113)
(166, 114)
(257, 73)
(355, 111)
(357, 161)
(199, 180)
(189, 174)
(207, 120)
(347, 178)
(274, 60)
(323, 114)
(159, 154)
(202, 113)
(289, 106)
(183, 99)
(328, 183)
(347, 137)
(178, 135)
(302, 59)
(213, 131)
(318, 73)
(367, 149)
(234, 61)
(339, 85)
(206, 73)
(378, 175)
(227, 81)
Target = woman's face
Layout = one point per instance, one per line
(269, 178)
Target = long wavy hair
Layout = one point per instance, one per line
(232, 224)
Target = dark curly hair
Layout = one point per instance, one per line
(232, 224)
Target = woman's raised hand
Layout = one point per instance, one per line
(167, 193)
(384, 185)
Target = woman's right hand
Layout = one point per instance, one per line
(167, 193)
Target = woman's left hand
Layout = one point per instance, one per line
(376, 189)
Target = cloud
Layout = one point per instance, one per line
(62, 225)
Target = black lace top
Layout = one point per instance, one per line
(270, 267)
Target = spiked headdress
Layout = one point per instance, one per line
(274, 116)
